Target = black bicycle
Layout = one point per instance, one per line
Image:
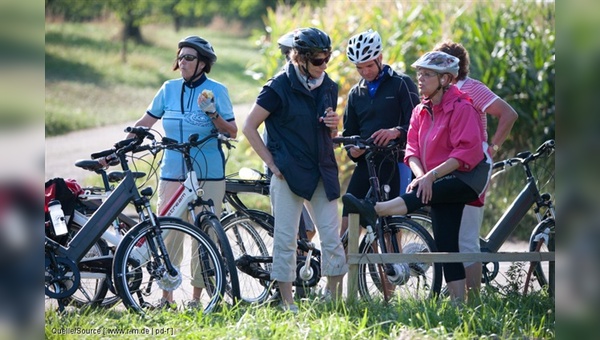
(543, 235)
(392, 234)
(253, 258)
(142, 266)
(542, 238)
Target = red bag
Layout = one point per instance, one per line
(64, 190)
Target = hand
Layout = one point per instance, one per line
(356, 152)
(383, 136)
(207, 105)
(424, 187)
(330, 119)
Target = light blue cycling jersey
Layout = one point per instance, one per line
(209, 161)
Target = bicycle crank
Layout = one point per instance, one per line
(62, 278)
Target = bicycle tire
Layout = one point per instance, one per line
(210, 224)
(422, 217)
(244, 232)
(425, 278)
(92, 289)
(544, 271)
(135, 265)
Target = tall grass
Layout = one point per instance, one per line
(495, 317)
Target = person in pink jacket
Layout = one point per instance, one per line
(445, 151)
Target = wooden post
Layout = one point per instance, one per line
(353, 234)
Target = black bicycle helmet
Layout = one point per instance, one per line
(203, 47)
(311, 40)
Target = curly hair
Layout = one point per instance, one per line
(458, 51)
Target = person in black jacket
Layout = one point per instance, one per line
(379, 106)
(298, 108)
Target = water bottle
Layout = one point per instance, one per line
(401, 274)
(58, 217)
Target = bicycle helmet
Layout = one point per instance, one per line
(438, 61)
(286, 40)
(311, 40)
(203, 47)
(286, 43)
(364, 47)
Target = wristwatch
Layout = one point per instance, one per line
(213, 115)
(494, 147)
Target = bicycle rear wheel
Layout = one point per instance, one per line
(94, 287)
(543, 271)
(210, 224)
(140, 272)
(248, 237)
(422, 280)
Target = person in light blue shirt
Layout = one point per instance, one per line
(184, 110)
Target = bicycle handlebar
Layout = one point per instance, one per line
(525, 157)
(169, 143)
(365, 144)
(126, 145)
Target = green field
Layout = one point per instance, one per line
(89, 85)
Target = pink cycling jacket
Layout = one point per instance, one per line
(452, 129)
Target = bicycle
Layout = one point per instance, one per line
(255, 263)
(189, 196)
(542, 238)
(392, 234)
(141, 261)
(94, 287)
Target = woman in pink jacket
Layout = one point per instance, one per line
(445, 151)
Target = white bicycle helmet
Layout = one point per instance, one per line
(286, 40)
(364, 47)
(438, 61)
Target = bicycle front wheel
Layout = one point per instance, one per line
(542, 239)
(421, 279)
(141, 272)
(210, 224)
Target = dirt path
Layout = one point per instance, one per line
(63, 151)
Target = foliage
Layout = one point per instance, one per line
(511, 47)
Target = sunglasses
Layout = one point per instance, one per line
(320, 61)
(187, 57)
(426, 74)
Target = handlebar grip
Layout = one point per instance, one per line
(549, 144)
(124, 142)
(104, 153)
(140, 131)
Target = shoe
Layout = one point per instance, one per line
(326, 296)
(164, 304)
(289, 308)
(193, 305)
(365, 208)
(274, 299)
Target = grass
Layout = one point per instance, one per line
(88, 84)
(496, 317)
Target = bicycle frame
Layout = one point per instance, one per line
(101, 220)
(520, 206)
(184, 197)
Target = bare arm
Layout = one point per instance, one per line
(256, 117)
(229, 127)
(506, 119)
